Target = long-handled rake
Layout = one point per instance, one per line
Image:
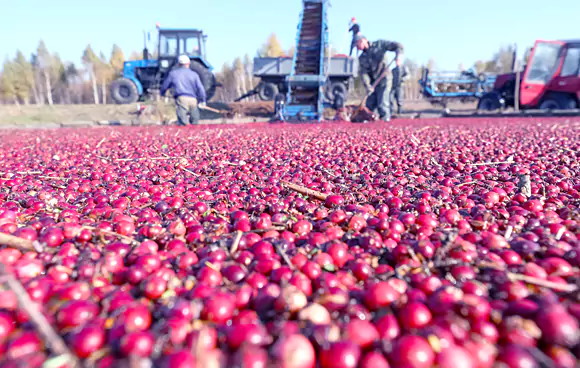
(364, 100)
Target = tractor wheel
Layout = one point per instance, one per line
(333, 89)
(267, 91)
(489, 102)
(124, 91)
(207, 78)
(558, 102)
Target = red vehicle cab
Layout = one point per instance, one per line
(550, 80)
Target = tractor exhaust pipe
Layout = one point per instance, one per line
(145, 50)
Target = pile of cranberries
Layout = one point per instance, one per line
(448, 243)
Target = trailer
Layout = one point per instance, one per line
(442, 87)
(273, 73)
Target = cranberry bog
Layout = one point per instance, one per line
(432, 243)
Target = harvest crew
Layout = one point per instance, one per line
(189, 92)
(373, 66)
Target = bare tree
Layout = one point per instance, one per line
(90, 61)
(240, 77)
(249, 75)
(45, 65)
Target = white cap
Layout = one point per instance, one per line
(183, 59)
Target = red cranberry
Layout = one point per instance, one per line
(414, 315)
(340, 354)
(412, 351)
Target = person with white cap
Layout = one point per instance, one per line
(188, 91)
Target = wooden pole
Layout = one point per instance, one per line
(19, 243)
(305, 191)
(54, 342)
(517, 87)
(517, 90)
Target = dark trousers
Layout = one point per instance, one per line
(352, 44)
(397, 97)
(379, 100)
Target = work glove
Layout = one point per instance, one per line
(202, 105)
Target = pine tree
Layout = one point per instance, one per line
(272, 47)
(25, 77)
(90, 60)
(117, 59)
(8, 81)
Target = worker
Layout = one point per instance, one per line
(400, 75)
(189, 92)
(374, 70)
(355, 29)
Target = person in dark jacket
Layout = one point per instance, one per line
(400, 75)
(355, 29)
(373, 67)
(188, 91)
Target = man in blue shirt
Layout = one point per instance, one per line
(188, 91)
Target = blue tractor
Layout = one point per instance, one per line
(143, 77)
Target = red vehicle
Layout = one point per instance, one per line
(550, 80)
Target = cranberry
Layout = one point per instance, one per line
(340, 354)
(412, 351)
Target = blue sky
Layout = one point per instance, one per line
(449, 31)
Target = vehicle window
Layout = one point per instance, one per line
(571, 62)
(543, 62)
(189, 45)
(168, 45)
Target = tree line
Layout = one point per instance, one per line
(43, 78)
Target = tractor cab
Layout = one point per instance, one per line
(550, 79)
(174, 42)
(142, 78)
